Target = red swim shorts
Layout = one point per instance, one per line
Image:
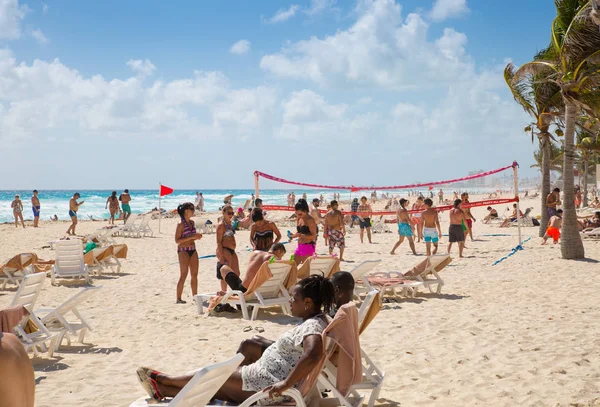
(553, 232)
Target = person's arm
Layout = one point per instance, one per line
(437, 224)
(220, 233)
(106, 204)
(313, 350)
(276, 231)
(313, 231)
(252, 232)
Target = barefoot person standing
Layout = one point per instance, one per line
(404, 228)
(185, 237)
(456, 234)
(469, 218)
(306, 233)
(17, 207)
(35, 207)
(431, 227)
(113, 207)
(73, 208)
(364, 212)
(226, 245)
(125, 198)
(335, 229)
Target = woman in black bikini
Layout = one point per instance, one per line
(226, 245)
(185, 237)
(262, 231)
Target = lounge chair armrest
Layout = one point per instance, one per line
(263, 395)
(379, 274)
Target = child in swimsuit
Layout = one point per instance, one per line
(185, 237)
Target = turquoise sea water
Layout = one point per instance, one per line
(57, 202)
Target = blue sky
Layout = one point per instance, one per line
(119, 94)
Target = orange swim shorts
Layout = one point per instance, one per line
(553, 232)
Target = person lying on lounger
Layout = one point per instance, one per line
(280, 367)
(257, 258)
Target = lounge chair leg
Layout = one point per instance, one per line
(255, 313)
(82, 335)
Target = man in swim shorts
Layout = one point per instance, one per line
(554, 225)
(73, 208)
(493, 214)
(364, 213)
(404, 228)
(456, 233)
(35, 207)
(335, 229)
(125, 198)
(431, 227)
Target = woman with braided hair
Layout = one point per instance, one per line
(276, 366)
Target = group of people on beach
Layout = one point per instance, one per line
(17, 207)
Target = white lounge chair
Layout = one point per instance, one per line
(201, 388)
(14, 269)
(144, 229)
(318, 265)
(359, 272)
(271, 293)
(130, 228)
(57, 319)
(27, 295)
(591, 233)
(69, 261)
(427, 271)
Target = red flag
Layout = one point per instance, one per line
(430, 188)
(165, 190)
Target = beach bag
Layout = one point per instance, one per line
(535, 222)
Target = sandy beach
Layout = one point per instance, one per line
(523, 332)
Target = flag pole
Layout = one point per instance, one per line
(159, 207)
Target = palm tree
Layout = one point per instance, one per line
(542, 100)
(571, 62)
(589, 147)
(555, 159)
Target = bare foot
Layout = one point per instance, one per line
(392, 253)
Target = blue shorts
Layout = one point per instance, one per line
(365, 223)
(36, 211)
(72, 214)
(404, 229)
(430, 235)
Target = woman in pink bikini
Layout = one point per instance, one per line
(185, 237)
(306, 234)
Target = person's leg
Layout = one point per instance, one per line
(16, 219)
(471, 231)
(194, 265)
(342, 246)
(398, 243)
(369, 234)
(411, 243)
(22, 220)
(232, 389)
(428, 247)
(449, 247)
(435, 248)
(252, 350)
(184, 264)
(362, 234)
(461, 246)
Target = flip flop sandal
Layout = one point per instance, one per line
(149, 385)
(259, 329)
(247, 329)
(181, 302)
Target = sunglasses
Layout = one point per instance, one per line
(229, 213)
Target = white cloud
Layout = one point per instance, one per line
(11, 14)
(380, 49)
(49, 100)
(143, 68)
(240, 47)
(284, 14)
(445, 9)
(45, 8)
(308, 116)
(40, 37)
(320, 6)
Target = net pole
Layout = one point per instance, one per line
(516, 181)
(256, 189)
(159, 208)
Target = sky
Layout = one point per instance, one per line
(111, 94)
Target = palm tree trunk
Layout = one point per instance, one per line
(585, 182)
(545, 150)
(571, 245)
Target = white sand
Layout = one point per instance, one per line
(524, 332)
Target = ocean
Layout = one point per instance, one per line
(57, 202)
